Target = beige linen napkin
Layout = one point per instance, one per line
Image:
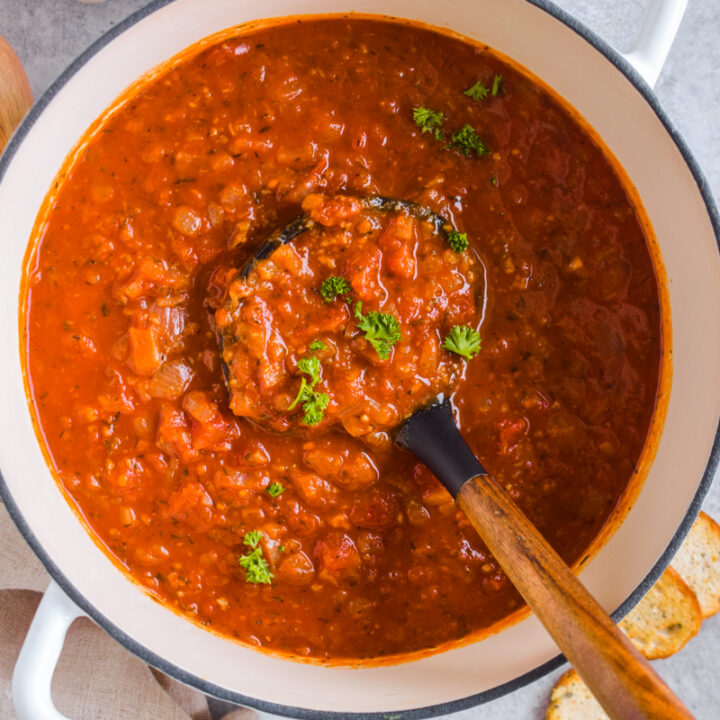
(96, 678)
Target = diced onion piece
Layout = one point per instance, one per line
(199, 407)
(170, 381)
(216, 215)
(171, 319)
(186, 221)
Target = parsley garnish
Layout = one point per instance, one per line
(497, 85)
(463, 340)
(477, 91)
(317, 345)
(256, 567)
(310, 366)
(457, 241)
(381, 330)
(334, 286)
(257, 570)
(493, 181)
(314, 403)
(429, 121)
(314, 408)
(467, 141)
(252, 538)
(274, 489)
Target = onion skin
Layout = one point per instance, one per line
(15, 95)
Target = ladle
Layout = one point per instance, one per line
(619, 677)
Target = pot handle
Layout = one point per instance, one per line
(32, 677)
(655, 38)
(38, 657)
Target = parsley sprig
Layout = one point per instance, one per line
(311, 367)
(257, 570)
(463, 340)
(252, 538)
(382, 330)
(313, 403)
(467, 142)
(458, 241)
(429, 121)
(477, 91)
(274, 489)
(334, 286)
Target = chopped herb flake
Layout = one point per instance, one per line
(334, 286)
(314, 408)
(497, 85)
(310, 366)
(317, 345)
(467, 141)
(314, 403)
(252, 538)
(429, 121)
(463, 340)
(257, 570)
(381, 330)
(477, 91)
(274, 489)
(457, 241)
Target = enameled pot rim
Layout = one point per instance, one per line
(614, 57)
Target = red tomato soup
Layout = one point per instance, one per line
(256, 488)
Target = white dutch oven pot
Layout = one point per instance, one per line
(613, 94)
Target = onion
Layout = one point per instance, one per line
(186, 221)
(170, 381)
(216, 215)
(199, 407)
(171, 319)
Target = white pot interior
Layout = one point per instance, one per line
(633, 132)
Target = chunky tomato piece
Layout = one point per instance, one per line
(337, 555)
(210, 430)
(173, 436)
(297, 569)
(377, 511)
(192, 505)
(510, 431)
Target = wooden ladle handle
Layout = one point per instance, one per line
(621, 679)
(15, 95)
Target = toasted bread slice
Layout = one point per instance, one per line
(571, 700)
(698, 562)
(665, 619)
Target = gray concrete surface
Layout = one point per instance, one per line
(48, 34)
